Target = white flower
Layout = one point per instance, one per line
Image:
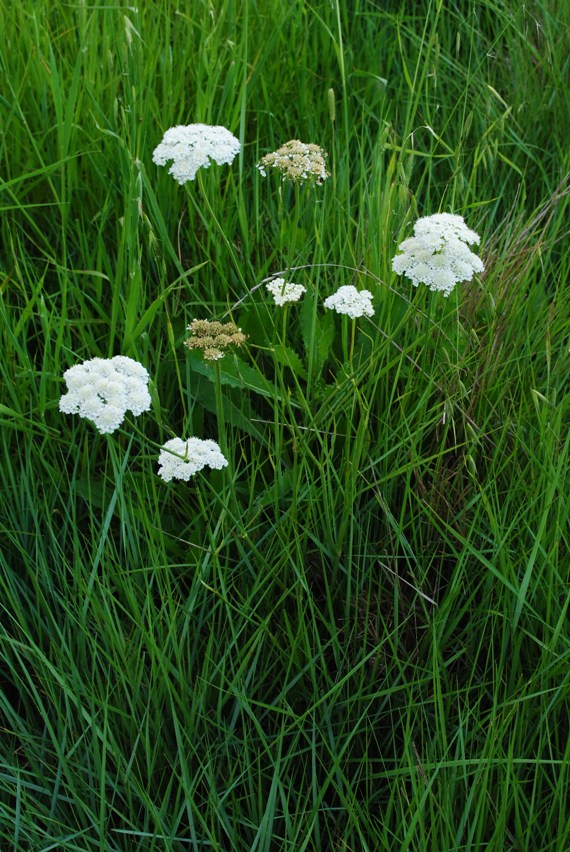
(193, 146)
(438, 254)
(180, 459)
(104, 389)
(349, 300)
(283, 292)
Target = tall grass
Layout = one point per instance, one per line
(355, 636)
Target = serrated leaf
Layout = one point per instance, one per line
(318, 335)
(204, 394)
(288, 358)
(234, 373)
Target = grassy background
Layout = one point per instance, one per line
(354, 637)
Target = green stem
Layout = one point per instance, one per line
(231, 504)
(222, 438)
(214, 218)
(352, 340)
(284, 325)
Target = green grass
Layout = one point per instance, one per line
(355, 636)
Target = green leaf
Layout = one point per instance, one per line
(234, 373)
(288, 358)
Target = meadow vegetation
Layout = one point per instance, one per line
(355, 635)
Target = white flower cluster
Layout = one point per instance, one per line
(284, 292)
(180, 459)
(195, 145)
(104, 389)
(349, 300)
(438, 254)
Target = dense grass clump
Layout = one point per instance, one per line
(354, 635)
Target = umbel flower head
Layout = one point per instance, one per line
(195, 145)
(297, 162)
(104, 389)
(214, 338)
(438, 254)
(348, 300)
(180, 459)
(284, 292)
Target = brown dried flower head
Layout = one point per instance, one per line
(213, 338)
(297, 162)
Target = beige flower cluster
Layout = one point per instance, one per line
(297, 162)
(214, 338)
